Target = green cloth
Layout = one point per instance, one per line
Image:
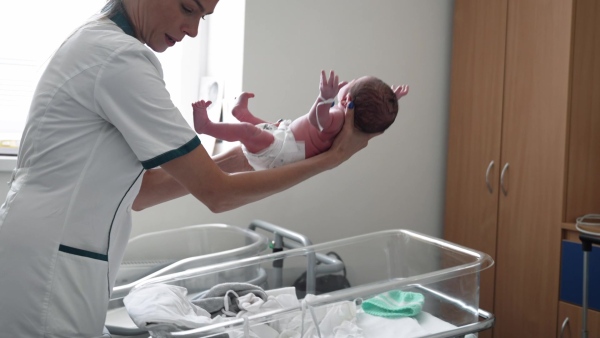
(394, 304)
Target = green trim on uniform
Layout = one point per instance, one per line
(82, 253)
(113, 222)
(172, 154)
(121, 19)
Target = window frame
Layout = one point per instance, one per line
(182, 66)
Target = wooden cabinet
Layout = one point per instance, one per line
(475, 130)
(507, 152)
(583, 176)
(572, 328)
(568, 311)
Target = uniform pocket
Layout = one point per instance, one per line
(79, 296)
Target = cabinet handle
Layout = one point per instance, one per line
(502, 179)
(564, 325)
(487, 177)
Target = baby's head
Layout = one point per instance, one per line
(375, 104)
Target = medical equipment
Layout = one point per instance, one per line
(587, 237)
(446, 274)
(164, 252)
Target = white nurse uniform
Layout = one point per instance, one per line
(100, 116)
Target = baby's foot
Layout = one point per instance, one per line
(201, 119)
(240, 109)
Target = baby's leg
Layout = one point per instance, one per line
(241, 112)
(255, 139)
(201, 119)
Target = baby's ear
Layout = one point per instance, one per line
(345, 100)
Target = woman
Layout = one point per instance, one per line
(103, 137)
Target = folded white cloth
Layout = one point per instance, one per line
(337, 320)
(224, 298)
(382, 327)
(163, 308)
(283, 298)
(257, 331)
(423, 324)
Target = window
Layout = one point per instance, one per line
(31, 32)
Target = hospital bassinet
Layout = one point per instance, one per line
(170, 251)
(446, 274)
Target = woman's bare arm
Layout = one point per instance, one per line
(158, 186)
(220, 191)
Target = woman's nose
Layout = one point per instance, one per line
(191, 28)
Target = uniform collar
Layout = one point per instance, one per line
(121, 19)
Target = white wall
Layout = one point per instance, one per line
(398, 180)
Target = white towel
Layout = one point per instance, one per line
(382, 327)
(337, 320)
(162, 307)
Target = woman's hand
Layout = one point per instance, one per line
(349, 140)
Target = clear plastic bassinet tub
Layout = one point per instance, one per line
(446, 274)
(165, 252)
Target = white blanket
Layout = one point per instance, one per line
(161, 309)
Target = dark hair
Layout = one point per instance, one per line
(375, 105)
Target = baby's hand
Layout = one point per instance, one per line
(400, 91)
(328, 89)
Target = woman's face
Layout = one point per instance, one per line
(167, 22)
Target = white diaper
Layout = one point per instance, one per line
(284, 149)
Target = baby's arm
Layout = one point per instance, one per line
(400, 91)
(319, 113)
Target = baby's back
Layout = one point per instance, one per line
(315, 140)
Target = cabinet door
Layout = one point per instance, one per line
(573, 327)
(534, 145)
(475, 123)
(583, 189)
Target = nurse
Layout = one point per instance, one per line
(102, 138)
